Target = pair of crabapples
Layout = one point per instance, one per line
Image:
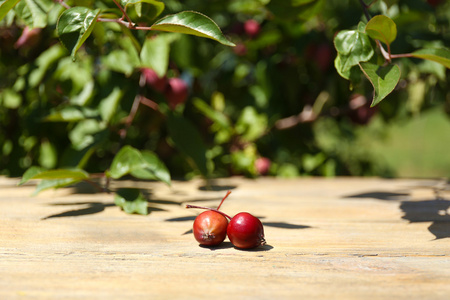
(211, 227)
(174, 89)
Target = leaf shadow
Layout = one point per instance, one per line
(382, 72)
(92, 208)
(436, 211)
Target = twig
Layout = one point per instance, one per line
(365, 9)
(150, 103)
(124, 14)
(62, 3)
(130, 117)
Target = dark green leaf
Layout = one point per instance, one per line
(383, 79)
(382, 28)
(188, 140)
(194, 23)
(74, 27)
(132, 201)
(441, 56)
(6, 6)
(353, 47)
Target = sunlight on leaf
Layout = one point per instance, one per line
(194, 23)
(382, 28)
(441, 56)
(74, 27)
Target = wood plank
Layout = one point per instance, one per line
(342, 238)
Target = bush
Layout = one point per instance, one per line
(88, 92)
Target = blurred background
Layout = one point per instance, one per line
(273, 105)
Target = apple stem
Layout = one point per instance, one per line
(228, 193)
(202, 207)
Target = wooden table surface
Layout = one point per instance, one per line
(342, 238)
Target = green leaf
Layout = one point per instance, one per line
(155, 53)
(53, 178)
(74, 27)
(250, 124)
(143, 10)
(6, 6)
(34, 12)
(194, 23)
(85, 95)
(119, 61)
(72, 114)
(30, 173)
(131, 201)
(86, 133)
(48, 156)
(127, 159)
(353, 47)
(152, 168)
(77, 174)
(54, 183)
(10, 99)
(441, 56)
(382, 28)
(44, 63)
(383, 79)
(108, 105)
(214, 115)
(188, 140)
(145, 165)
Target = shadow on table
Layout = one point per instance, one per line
(90, 208)
(436, 211)
(228, 245)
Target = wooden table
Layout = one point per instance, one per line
(342, 238)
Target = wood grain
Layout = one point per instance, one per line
(342, 238)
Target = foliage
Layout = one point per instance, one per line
(96, 90)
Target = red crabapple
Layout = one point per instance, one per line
(210, 228)
(246, 231)
(176, 92)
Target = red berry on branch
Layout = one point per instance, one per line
(252, 28)
(153, 80)
(176, 92)
(262, 165)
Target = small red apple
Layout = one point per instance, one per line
(240, 49)
(176, 92)
(153, 80)
(252, 28)
(262, 165)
